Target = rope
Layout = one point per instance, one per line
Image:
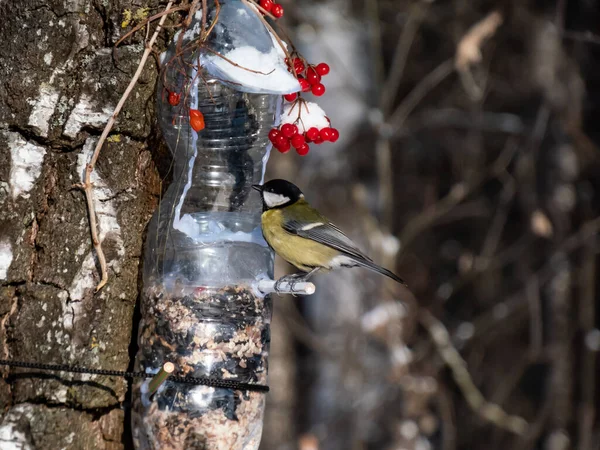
(212, 382)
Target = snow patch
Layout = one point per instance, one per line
(11, 436)
(48, 58)
(82, 282)
(86, 113)
(305, 115)
(254, 71)
(43, 108)
(193, 32)
(6, 257)
(26, 164)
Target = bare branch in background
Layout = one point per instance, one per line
(390, 89)
(490, 412)
(468, 51)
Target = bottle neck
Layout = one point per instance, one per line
(216, 167)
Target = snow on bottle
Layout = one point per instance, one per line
(204, 250)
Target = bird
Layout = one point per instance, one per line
(306, 238)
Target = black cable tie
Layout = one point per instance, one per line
(200, 381)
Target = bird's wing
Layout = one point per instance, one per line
(320, 229)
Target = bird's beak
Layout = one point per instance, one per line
(257, 187)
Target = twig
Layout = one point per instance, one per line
(407, 37)
(456, 195)
(582, 36)
(560, 351)
(587, 377)
(446, 408)
(87, 185)
(375, 40)
(468, 50)
(190, 16)
(492, 238)
(536, 327)
(214, 52)
(410, 102)
(489, 411)
(151, 19)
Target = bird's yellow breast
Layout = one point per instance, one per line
(303, 253)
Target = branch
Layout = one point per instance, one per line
(491, 412)
(407, 37)
(410, 102)
(468, 50)
(456, 195)
(87, 185)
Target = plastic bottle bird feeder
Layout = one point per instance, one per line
(205, 255)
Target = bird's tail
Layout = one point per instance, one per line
(372, 266)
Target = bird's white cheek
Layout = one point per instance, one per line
(273, 200)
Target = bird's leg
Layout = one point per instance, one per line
(293, 279)
(286, 279)
(303, 278)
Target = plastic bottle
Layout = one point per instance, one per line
(204, 253)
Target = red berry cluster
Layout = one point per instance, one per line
(274, 8)
(309, 77)
(288, 136)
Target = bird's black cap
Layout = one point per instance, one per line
(281, 189)
(279, 186)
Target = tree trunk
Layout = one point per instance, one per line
(59, 83)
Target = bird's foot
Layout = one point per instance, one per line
(291, 280)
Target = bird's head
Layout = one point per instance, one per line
(278, 193)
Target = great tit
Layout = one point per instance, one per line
(304, 237)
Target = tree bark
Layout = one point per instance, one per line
(59, 83)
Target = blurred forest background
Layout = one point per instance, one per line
(468, 163)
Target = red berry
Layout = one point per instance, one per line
(299, 65)
(326, 134)
(273, 134)
(297, 141)
(280, 140)
(303, 150)
(322, 69)
(266, 5)
(290, 97)
(304, 84)
(174, 98)
(318, 89)
(284, 147)
(196, 120)
(312, 76)
(318, 140)
(335, 135)
(277, 10)
(288, 130)
(312, 133)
